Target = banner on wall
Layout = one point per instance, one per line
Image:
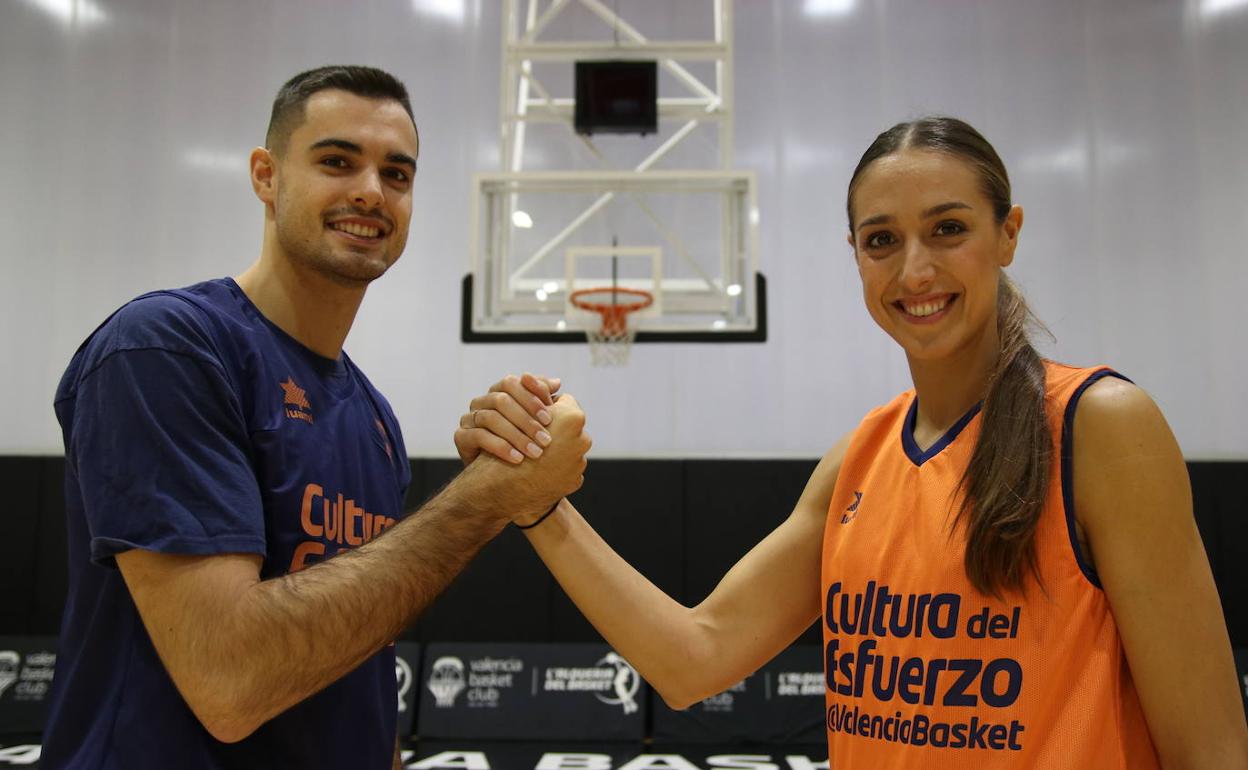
(26, 666)
(782, 702)
(530, 692)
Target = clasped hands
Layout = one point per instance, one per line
(521, 418)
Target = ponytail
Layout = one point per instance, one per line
(1006, 483)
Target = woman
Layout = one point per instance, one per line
(1005, 557)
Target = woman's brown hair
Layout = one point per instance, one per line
(1006, 482)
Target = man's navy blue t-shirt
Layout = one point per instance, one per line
(193, 425)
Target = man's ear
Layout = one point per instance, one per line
(263, 175)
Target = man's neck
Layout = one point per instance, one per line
(308, 306)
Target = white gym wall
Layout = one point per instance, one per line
(125, 127)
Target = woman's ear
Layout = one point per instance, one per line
(1009, 230)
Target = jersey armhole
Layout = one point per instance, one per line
(1068, 471)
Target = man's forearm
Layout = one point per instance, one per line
(289, 637)
(242, 650)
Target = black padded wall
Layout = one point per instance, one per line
(502, 595)
(683, 523)
(730, 505)
(32, 553)
(17, 568)
(1220, 497)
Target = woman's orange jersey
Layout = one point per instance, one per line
(923, 671)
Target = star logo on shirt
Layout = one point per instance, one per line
(294, 394)
(296, 400)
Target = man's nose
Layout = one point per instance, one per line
(368, 192)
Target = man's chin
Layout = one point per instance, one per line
(356, 279)
(354, 272)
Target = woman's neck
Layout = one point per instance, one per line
(949, 387)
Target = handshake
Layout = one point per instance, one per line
(538, 436)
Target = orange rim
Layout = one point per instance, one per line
(614, 314)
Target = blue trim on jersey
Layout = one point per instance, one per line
(1068, 469)
(919, 456)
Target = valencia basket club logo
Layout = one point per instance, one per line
(295, 399)
(446, 680)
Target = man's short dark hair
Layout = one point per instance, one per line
(288, 107)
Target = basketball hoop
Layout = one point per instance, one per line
(610, 344)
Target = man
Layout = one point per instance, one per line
(230, 475)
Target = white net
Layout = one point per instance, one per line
(610, 348)
(610, 344)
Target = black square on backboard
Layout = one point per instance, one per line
(617, 97)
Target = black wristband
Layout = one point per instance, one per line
(542, 518)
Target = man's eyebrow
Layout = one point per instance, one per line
(401, 159)
(880, 219)
(341, 144)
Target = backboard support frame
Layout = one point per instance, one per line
(704, 295)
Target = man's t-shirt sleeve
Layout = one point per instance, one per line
(160, 447)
